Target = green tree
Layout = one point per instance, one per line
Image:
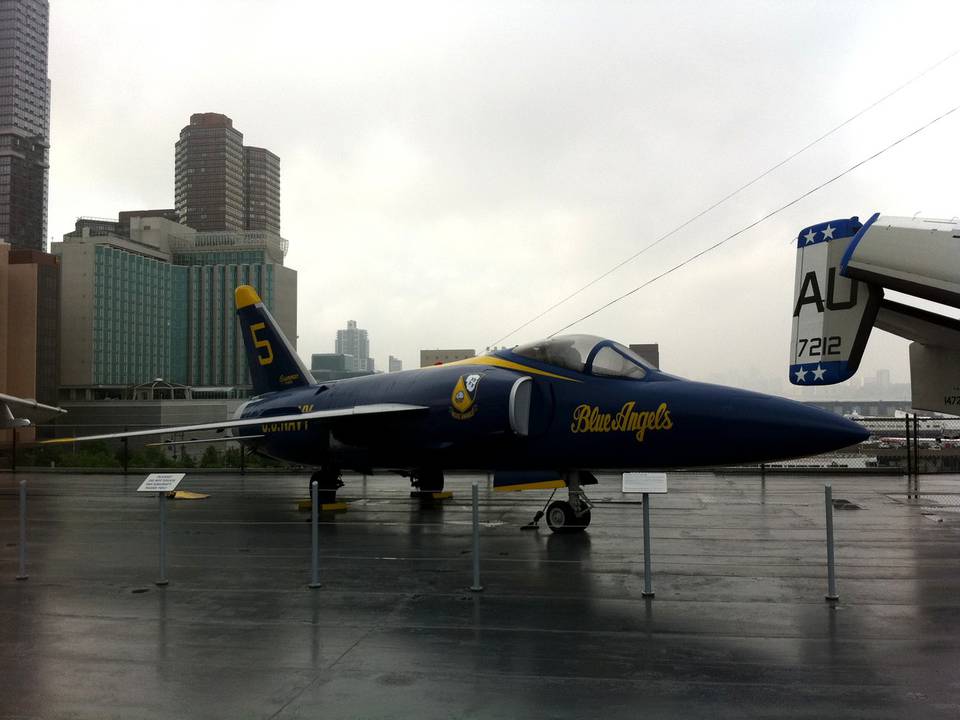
(211, 458)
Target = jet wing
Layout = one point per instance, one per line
(20, 412)
(355, 411)
(919, 325)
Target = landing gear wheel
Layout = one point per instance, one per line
(426, 483)
(328, 482)
(561, 518)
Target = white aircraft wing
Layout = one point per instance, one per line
(268, 422)
(21, 412)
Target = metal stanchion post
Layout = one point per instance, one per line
(476, 587)
(162, 503)
(831, 572)
(22, 573)
(908, 444)
(916, 450)
(647, 579)
(314, 538)
(13, 453)
(126, 454)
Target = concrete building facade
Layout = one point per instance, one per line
(394, 364)
(29, 326)
(441, 356)
(156, 301)
(24, 122)
(648, 351)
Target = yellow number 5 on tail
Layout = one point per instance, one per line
(264, 359)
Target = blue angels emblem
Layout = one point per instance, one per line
(464, 397)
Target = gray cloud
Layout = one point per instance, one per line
(450, 169)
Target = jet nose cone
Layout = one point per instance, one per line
(807, 430)
(833, 431)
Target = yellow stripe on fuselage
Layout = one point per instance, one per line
(506, 364)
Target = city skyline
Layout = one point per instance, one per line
(149, 296)
(471, 206)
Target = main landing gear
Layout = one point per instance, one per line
(328, 482)
(426, 482)
(570, 516)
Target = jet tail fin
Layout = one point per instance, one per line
(273, 363)
(832, 314)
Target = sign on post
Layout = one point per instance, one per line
(644, 482)
(161, 482)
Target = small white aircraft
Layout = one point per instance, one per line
(17, 412)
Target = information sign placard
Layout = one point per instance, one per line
(645, 482)
(161, 482)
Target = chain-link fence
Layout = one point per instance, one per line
(896, 444)
(926, 444)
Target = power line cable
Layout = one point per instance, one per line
(726, 197)
(762, 219)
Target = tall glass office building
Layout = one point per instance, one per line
(24, 122)
(137, 301)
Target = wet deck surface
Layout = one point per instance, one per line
(739, 626)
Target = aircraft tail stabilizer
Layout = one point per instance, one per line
(832, 314)
(274, 364)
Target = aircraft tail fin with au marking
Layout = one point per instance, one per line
(274, 364)
(832, 314)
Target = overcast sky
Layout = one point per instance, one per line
(449, 170)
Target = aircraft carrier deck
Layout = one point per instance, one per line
(739, 626)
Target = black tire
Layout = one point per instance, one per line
(328, 482)
(428, 481)
(562, 519)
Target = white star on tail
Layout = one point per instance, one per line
(801, 375)
(828, 233)
(818, 373)
(810, 237)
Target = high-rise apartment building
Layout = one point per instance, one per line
(24, 122)
(222, 185)
(354, 343)
(208, 167)
(261, 182)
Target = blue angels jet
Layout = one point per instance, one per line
(544, 414)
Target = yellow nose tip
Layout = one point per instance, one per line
(246, 295)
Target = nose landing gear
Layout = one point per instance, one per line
(567, 516)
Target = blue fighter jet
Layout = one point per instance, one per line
(545, 414)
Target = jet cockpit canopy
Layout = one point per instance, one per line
(586, 354)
